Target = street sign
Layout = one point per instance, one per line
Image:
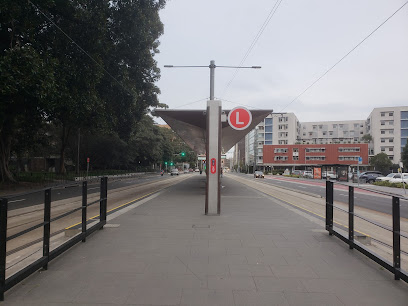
(360, 160)
(239, 118)
(213, 165)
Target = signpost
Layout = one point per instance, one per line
(239, 118)
(360, 161)
(87, 166)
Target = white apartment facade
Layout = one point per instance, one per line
(326, 132)
(388, 127)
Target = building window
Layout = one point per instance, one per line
(295, 150)
(341, 126)
(320, 127)
(391, 140)
(382, 139)
(324, 133)
(268, 121)
(334, 126)
(281, 158)
(404, 115)
(268, 142)
(382, 114)
(382, 132)
(268, 128)
(268, 136)
(331, 133)
(382, 122)
(391, 149)
(349, 149)
(361, 133)
(382, 149)
(315, 157)
(295, 157)
(391, 114)
(348, 158)
(314, 150)
(281, 150)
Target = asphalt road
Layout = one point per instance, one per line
(362, 198)
(60, 193)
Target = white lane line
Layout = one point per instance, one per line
(342, 194)
(302, 187)
(93, 188)
(17, 200)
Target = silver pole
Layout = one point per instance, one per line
(212, 70)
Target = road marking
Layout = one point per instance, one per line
(144, 196)
(302, 187)
(93, 188)
(342, 194)
(16, 201)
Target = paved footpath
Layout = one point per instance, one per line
(167, 252)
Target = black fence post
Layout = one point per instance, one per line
(351, 217)
(47, 225)
(329, 207)
(396, 238)
(103, 200)
(84, 207)
(3, 246)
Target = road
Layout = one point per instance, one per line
(362, 198)
(37, 197)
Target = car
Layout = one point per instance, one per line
(174, 172)
(370, 176)
(404, 176)
(388, 177)
(185, 171)
(297, 172)
(197, 170)
(308, 174)
(259, 174)
(329, 175)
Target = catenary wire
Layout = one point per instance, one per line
(204, 99)
(256, 38)
(347, 54)
(80, 48)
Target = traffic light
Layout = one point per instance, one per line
(183, 154)
(171, 164)
(165, 163)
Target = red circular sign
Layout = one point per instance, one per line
(239, 118)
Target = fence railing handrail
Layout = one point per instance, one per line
(395, 266)
(390, 194)
(48, 255)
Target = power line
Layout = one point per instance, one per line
(255, 40)
(80, 48)
(347, 54)
(192, 102)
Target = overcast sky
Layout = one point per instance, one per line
(302, 40)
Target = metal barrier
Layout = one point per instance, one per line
(395, 266)
(6, 284)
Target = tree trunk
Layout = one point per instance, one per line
(64, 139)
(5, 143)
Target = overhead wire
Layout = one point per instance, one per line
(347, 54)
(254, 41)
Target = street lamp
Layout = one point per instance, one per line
(212, 67)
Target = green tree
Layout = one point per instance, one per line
(367, 138)
(404, 156)
(381, 162)
(27, 78)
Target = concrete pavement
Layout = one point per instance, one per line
(167, 252)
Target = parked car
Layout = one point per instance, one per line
(329, 174)
(370, 176)
(297, 172)
(388, 177)
(307, 174)
(259, 174)
(404, 176)
(174, 172)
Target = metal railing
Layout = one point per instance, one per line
(47, 256)
(395, 266)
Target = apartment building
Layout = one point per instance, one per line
(326, 132)
(388, 127)
(275, 129)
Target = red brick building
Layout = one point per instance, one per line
(315, 154)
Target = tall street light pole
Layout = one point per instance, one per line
(213, 143)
